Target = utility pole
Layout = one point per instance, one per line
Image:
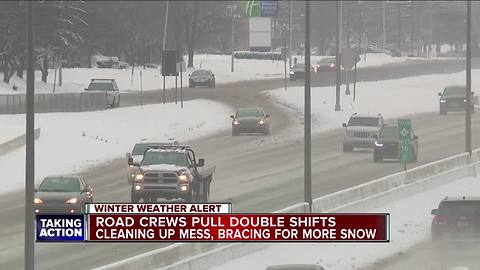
(307, 125)
(468, 94)
(347, 71)
(29, 248)
(411, 27)
(165, 26)
(337, 59)
(399, 13)
(290, 17)
(233, 39)
(384, 25)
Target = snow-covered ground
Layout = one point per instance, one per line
(71, 142)
(392, 98)
(410, 224)
(76, 79)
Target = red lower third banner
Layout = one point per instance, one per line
(239, 227)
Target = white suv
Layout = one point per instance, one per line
(110, 87)
(360, 131)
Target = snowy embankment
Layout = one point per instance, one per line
(76, 79)
(392, 98)
(410, 224)
(72, 142)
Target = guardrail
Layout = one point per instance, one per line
(365, 196)
(16, 143)
(62, 102)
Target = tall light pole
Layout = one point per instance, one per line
(165, 26)
(233, 14)
(290, 18)
(307, 125)
(384, 25)
(29, 248)
(337, 59)
(468, 88)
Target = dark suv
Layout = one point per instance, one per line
(453, 99)
(386, 144)
(456, 218)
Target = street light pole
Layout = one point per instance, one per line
(384, 25)
(337, 59)
(290, 17)
(29, 248)
(468, 116)
(233, 40)
(347, 71)
(165, 26)
(307, 125)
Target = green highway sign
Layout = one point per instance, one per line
(250, 8)
(405, 136)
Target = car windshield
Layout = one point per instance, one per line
(364, 121)
(164, 157)
(139, 149)
(250, 113)
(389, 132)
(100, 86)
(60, 184)
(454, 91)
(201, 73)
(460, 208)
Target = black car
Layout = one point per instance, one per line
(456, 217)
(201, 77)
(62, 194)
(386, 144)
(453, 98)
(297, 71)
(326, 64)
(250, 120)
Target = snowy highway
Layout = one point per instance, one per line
(256, 173)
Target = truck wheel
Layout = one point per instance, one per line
(118, 102)
(190, 196)
(292, 78)
(135, 198)
(443, 111)
(376, 158)
(235, 133)
(191, 85)
(206, 191)
(347, 148)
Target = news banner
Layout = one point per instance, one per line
(197, 222)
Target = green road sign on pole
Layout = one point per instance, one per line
(250, 8)
(405, 137)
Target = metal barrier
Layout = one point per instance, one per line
(63, 102)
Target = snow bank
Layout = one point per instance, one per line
(392, 98)
(76, 79)
(410, 224)
(72, 142)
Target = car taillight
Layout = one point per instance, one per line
(440, 220)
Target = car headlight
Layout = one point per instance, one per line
(139, 177)
(236, 122)
(71, 201)
(332, 65)
(291, 72)
(443, 100)
(464, 100)
(378, 144)
(37, 201)
(183, 177)
(261, 122)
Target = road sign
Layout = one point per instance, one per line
(259, 8)
(348, 58)
(405, 137)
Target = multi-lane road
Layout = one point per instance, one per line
(256, 173)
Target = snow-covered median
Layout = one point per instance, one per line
(392, 98)
(410, 224)
(71, 142)
(76, 79)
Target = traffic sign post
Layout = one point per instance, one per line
(348, 60)
(405, 137)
